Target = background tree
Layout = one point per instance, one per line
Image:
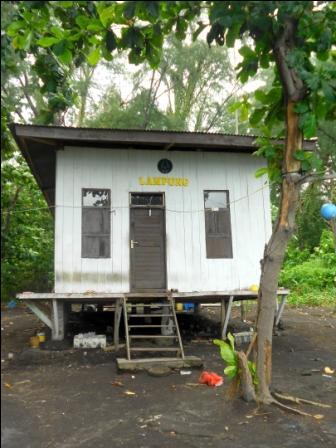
(191, 90)
(294, 37)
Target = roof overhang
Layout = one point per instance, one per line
(39, 144)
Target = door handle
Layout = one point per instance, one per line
(133, 243)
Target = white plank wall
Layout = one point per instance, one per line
(188, 269)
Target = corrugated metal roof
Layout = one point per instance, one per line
(39, 144)
(162, 131)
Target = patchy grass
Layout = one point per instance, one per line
(313, 297)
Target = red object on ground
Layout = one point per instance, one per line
(211, 379)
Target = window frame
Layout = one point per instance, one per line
(147, 193)
(98, 235)
(225, 237)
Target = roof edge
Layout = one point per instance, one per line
(136, 137)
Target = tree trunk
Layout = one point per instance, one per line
(274, 254)
(246, 382)
(87, 74)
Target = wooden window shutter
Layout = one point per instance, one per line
(96, 224)
(218, 226)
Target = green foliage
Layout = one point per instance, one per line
(311, 276)
(85, 30)
(309, 222)
(27, 237)
(314, 273)
(229, 355)
(113, 113)
(190, 76)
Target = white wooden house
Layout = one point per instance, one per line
(147, 212)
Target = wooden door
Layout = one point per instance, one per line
(147, 243)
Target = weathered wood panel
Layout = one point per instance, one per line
(148, 258)
(188, 269)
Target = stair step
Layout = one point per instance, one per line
(150, 315)
(149, 326)
(155, 349)
(164, 308)
(151, 336)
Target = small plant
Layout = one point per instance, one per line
(230, 357)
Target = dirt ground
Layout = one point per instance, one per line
(67, 398)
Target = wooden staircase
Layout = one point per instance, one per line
(166, 311)
(154, 329)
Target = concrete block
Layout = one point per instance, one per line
(90, 340)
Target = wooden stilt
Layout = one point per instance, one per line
(60, 314)
(280, 310)
(117, 316)
(242, 311)
(228, 307)
(223, 312)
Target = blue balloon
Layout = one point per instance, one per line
(328, 211)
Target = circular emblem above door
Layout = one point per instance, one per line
(165, 166)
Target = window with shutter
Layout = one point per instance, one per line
(96, 223)
(217, 224)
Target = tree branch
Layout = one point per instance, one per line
(24, 86)
(149, 101)
(294, 87)
(221, 108)
(314, 177)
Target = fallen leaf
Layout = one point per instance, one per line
(329, 371)
(117, 383)
(9, 386)
(318, 416)
(249, 416)
(129, 393)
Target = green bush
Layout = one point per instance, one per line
(311, 276)
(315, 273)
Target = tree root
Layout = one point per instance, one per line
(297, 400)
(290, 409)
(233, 389)
(246, 382)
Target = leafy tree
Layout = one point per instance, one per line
(26, 236)
(191, 89)
(114, 112)
(309, 223)
(196, 81)
(295, 37)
